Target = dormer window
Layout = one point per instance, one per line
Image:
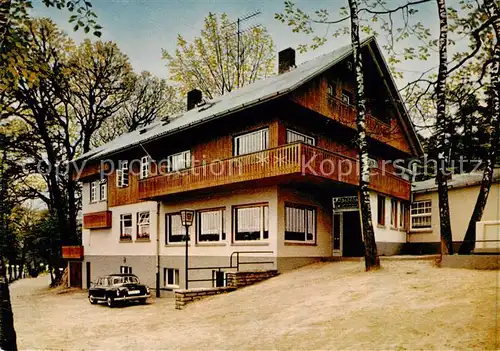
(122, 175)
(145, 167)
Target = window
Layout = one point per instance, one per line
(122, 175)
(179, 161)
(251, 142)
(210, 225)
(143, 225)
(394, 213)
(402, 215)
(347, 97)
(300, 223)
(125, 270)
(372, 163)
(103, 189)
(145, 167)
(421, 215)
(175, 232)
(293, 136)
(332, 89)
(126, 226)
(381, 210)
(171, 277)
(251, 223)
(93, 191)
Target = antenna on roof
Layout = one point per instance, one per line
(239, 31)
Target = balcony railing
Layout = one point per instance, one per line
(290, 159)
(72, 252)
(97, 220)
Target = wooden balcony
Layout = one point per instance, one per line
(72, 252)
(97, 220)
(292, 159)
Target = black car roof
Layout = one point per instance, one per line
(121, 275)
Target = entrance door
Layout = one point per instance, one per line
(75, 274)
(89, 280)
(337, 234)
(352, 240)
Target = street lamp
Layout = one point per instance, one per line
(187, 217)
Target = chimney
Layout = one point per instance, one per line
(193, 98)
(286, 60)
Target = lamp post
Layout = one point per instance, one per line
(187, 217)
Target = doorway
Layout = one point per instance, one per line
(347, 236)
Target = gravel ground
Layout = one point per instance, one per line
(405, 306)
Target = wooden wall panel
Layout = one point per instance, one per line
(97, 220)
(72, 252)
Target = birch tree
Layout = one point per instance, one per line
(372, 260)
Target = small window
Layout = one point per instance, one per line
(300, 223)
(293, 136)
(145, 167)
(143, 225)
(381, 210)
(179, 161)
(421, 215)
(394, 213)
(332, 89)
(251, 142)
(125, 270)
(93, 191)
(175, 232)
(210, 225)
(251, 223)
(170, 277)
(402, 215)
(126, 226)
(372, 163)
(103, 189)
(347, 97)
(122, 175)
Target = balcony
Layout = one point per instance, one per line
(296, 159)
(97, 220)
(72, 252)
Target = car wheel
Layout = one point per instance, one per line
(110, 301)
(92, 299)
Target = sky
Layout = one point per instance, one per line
(141, 28)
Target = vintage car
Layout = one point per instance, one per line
(116, 288)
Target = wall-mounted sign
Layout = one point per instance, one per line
(345, 203)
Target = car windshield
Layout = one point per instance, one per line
(124, 280)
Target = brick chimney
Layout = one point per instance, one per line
(286, 60)
(193, 98)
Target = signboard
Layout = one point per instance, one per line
(345, 203)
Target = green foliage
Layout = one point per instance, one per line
(211, 61)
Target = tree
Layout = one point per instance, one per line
(151, 100)
(372, 260)
(220, 60)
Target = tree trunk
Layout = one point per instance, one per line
(470, 236)
(443, 134)
(7, 331)
(371, 257)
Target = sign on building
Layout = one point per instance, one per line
(345, 203)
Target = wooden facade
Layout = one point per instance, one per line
(72, 252)
(97, 220)
(296, 159)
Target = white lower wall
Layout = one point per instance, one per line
(386, 232)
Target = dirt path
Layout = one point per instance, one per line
(407, 305)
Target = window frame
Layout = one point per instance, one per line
(125, 269)
(141, 225)
(93, 191)
(381, 219)
(421, 215)
(122, 227)
(175, 276)
(145, 167)
(394, 213)
(264, 141)
(122, 175)
(103, 189)
(264, 216)
(307, 209)
(187, 161)
(168, 225)
(402, 215)
(306, 137)
(349, 95)
(222, 232)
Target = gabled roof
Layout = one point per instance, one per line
(457, 181)
(242, 98)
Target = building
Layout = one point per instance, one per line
(270, 169)
(424, 236)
